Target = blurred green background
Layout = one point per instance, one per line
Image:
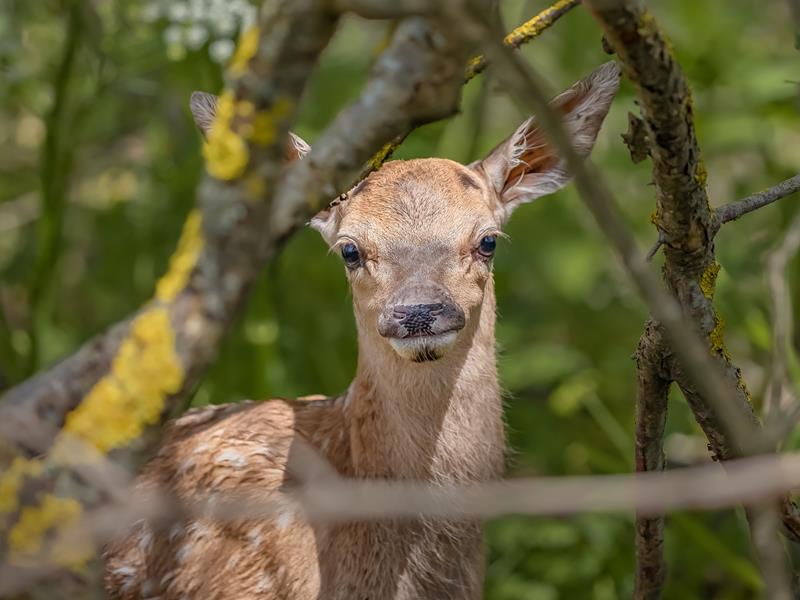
(99, 162)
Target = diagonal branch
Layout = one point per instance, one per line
(734, 210)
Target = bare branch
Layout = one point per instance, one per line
(525, 33)
(780, 405)
(732, 423)
(688, 226)
(734, 210)
(651, 420)
(529, 30)
(331, 499)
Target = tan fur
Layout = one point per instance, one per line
(438, 421)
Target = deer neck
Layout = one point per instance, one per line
(439, 420)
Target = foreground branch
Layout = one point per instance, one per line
(333, 499)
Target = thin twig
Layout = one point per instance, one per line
(529, 30)
(54, 170)
(525, 33)
(734, 210)
(780, 403)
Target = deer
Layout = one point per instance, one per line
(417, 239)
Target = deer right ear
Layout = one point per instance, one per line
(204, 108)
(525, 166)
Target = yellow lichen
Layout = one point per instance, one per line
(26, 536)
(701, 174)
(647, 24)
(11, 481)
(245, 50)
(226, 108)
(709, 279)
(145, 370)
(381, 155)
(532, 28)
(225, 152)
(183, 260)
(716, 338)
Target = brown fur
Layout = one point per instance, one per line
(437, 421)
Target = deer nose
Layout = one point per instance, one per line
(414, 320)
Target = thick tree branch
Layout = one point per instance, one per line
(687, 225)
(734, 210)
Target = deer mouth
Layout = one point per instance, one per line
(424, 347)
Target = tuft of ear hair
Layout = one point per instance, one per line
(204, 108)
(525, 166)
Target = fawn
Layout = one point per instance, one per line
(417, 239)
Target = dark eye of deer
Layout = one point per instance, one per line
(487, 246)
(351, 256)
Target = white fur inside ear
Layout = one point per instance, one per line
(327, 223)
(525, 167)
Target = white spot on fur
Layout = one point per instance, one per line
(145, 540)
(264, 583)
(231, 457)
(255, 536)
(128, 575)
(197, 530)
(175, 531)
(219, 479)
(183, 552)
(234, 560)
(169, 577)
(284, 520)
(200, 448)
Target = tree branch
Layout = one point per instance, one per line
(529, 30)
(730, 212)
(687, 225)
(651, 420)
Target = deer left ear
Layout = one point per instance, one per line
(204, 108)
(525, 166)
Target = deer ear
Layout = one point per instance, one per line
(204, 108)
(525, 166)
(327, 221)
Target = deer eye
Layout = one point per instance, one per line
(487, 246)
(351, 256)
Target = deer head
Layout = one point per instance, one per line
(417, 237)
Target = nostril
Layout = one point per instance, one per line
(417, 311)
(435, 309)
(400, 311)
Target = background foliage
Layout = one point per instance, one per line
(99, 161)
